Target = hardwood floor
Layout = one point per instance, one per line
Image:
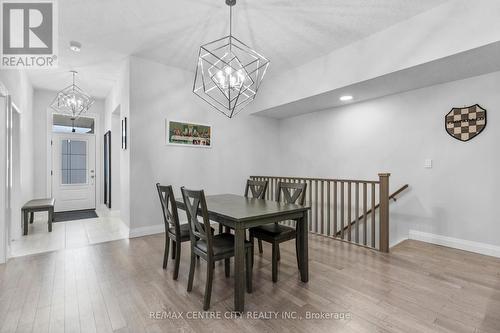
(114, 286)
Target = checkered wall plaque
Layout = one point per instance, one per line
(465, 123)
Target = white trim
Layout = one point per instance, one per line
(397, 241)
(15, 108)
(49, 122)
(148, 230)
(15, 229)
(8, 253)
(456, 243)
(3, 180)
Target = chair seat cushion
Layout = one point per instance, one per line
(39, 203)
(222, 244)
(273, 230)
(184, 231)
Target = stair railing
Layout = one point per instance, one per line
(346, 209)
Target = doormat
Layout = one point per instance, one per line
(75, 215)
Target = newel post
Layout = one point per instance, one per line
(384, 212)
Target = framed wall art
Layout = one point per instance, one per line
(187, 134)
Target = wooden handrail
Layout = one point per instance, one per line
(321, 179)
(391, 197)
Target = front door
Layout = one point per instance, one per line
(73, 171)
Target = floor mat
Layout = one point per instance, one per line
(75, 215)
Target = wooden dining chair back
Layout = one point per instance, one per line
(290, 193)
(208, 246)
(174, 231)
(195, 203)
(258, 188)
(169, 208)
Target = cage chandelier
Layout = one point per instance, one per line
(72, 101)
(228, 72)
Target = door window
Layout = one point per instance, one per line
(74, 162)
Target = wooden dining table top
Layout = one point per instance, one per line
(239, 208)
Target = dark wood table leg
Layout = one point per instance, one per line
(303, 248)
(25, 222)
(239, 270)
(51, 218)
(32, 217)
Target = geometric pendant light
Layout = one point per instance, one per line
(228, 72)
(72, 101)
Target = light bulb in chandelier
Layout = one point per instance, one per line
(74, 102)
(228, 79)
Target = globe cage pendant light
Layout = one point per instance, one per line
(228, 72)
(72, 101)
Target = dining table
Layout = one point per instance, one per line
(241, 213)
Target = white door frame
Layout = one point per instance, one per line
(3, 180)
(14, 194)
(98, 158)
(6, 184)
(97, 170)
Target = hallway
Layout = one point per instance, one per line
(70, 234)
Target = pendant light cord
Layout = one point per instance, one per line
(73, 107)
(230, 27)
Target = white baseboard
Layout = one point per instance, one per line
(148, 230)
(397, 241)
(456, 243)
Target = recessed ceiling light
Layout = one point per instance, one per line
(345, 98)
(75, 46)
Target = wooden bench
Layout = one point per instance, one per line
(37, 205)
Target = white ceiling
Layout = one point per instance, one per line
(288, 32)
(479, 61)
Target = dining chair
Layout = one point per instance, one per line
(174, 231)
(208, 246)
(258, 189)
(277, 233)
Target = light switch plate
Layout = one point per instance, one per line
(428, 164)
